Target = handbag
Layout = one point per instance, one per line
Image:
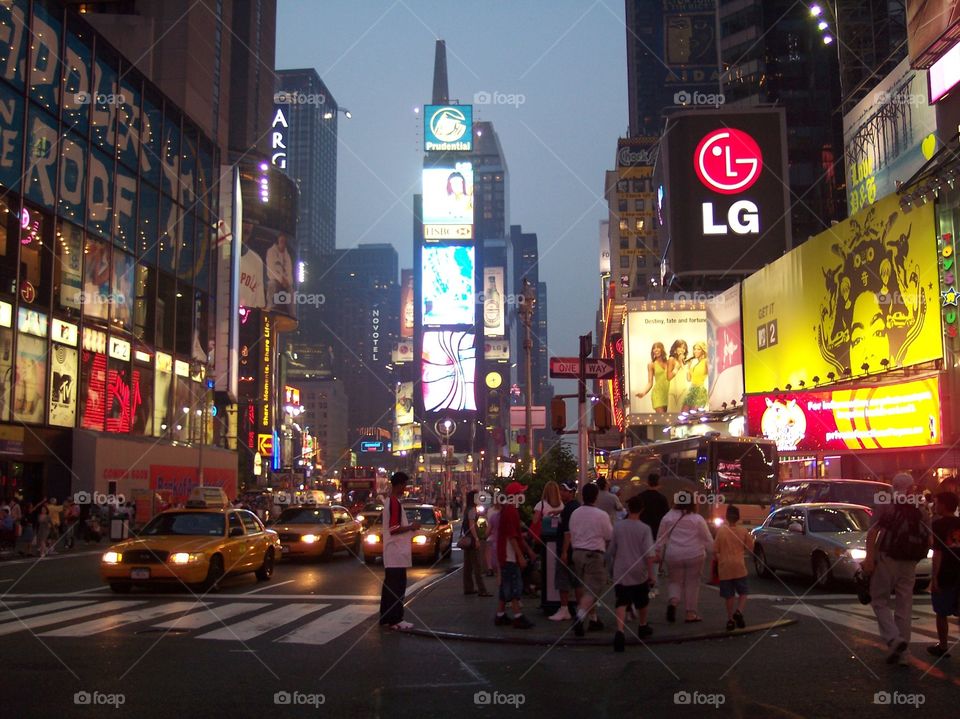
(466, 539)
(550, 527)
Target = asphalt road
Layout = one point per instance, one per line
(307, 644)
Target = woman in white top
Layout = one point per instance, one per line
(683, 542)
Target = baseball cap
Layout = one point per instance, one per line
(569, 486)
(902, 482)
(515, 488)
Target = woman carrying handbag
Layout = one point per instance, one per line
(683, 542)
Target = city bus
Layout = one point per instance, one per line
(360, 485)
(716, 470)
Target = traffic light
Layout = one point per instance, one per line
(558, 415)
(601, 415)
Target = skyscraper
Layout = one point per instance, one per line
(364, 319)
(491, 189)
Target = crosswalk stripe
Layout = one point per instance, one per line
(329, 626)
(263, 623)
(211, 615)
(65, 616)
(115, 621)
(922, 609)
(38, 609)
(852, 621)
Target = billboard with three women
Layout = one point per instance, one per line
(666, 360)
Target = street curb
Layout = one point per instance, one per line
(591, 642)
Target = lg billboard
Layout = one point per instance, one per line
(727, 189)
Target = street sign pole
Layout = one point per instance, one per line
(586, 349)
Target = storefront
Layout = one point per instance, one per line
(106, 229)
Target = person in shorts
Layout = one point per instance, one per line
(631, 555)
(945, 583)
(731, 542)
(565, 580)
(590, 532)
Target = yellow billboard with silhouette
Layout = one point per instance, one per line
(860, 298)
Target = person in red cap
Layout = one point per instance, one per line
(512, 551)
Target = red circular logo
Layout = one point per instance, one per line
(728, 161)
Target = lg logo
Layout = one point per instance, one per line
(729, 161)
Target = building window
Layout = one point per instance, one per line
(622, 206)
(67, 270)
(639, 224)
(624, 262)
(623, 225)
(639, 205)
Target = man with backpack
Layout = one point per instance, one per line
(897, 540)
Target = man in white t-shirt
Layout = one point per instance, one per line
(397, 555)
(590, 532)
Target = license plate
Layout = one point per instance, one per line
(139, 574)
(284, 549)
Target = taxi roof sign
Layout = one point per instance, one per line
(207, 497)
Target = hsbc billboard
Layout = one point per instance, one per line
(726, 189)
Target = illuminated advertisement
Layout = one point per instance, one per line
(404, 403)
(403, 352)
(726, 171)
(887, 136)
(448, 128)
(448, 286)
(448, 195)
(407, 308)
(883, 416)
(496, 350)
(30, 389)
(667, 361)
(448, 371)
(493, 302)
(858, 298)
(407, 437)
(64, 385)
(266, 374)
(725, 346)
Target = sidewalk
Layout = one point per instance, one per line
(442, 611)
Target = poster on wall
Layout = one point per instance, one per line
(666, 355)
(63, 386)
(404, 405)
(493, 299)
(884, 416)
(448, 371)
(407, 437)
(859, 298)
(724, 345)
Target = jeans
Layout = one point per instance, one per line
(391, 597)
(683, 582)
(472, 572)
(897, 576)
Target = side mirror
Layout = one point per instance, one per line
(796, 527)
(236, 531)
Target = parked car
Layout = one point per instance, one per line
(851, 491)
(432, 541)
(824, 540)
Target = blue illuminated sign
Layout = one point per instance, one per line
(448, 128)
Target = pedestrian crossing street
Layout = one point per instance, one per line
(227, 619)
(853, 615)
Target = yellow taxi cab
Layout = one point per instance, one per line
(312, 531)
(433, 541)
(196, 546)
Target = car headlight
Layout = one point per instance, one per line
(930, 554)
(309, 538)
(857, 554)
(717, 521)
(420, 539)
(111, 558)
(372, 539)
(184, 557)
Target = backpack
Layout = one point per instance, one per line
(905, 535)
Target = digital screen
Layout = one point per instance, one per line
(448, 286)
(448, 371)
(448, 195)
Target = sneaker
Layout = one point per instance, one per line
(401, 626)
(618, 642)
(644, 630)
(671, 613)
(502, 620)
(522, 622)
(595, 625)
(578, 628)
(738, 618)
(562, 615)
(897, 647)
(938, 650)
(731, 625)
